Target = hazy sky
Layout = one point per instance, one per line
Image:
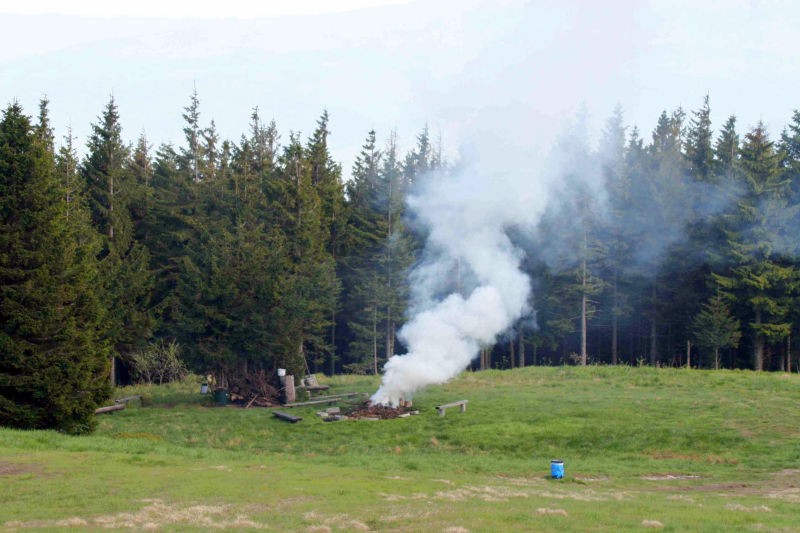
(503, 75)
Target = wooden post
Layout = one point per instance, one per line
(291, 397)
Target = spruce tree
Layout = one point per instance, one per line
(126, 278)
(326, 178)
(714, 327)
(366, 231)
(192, 156)
(308, 286)
(760, 277)
(617, 182)
(699, 152)
(53, 357)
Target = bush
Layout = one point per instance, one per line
(158, 363)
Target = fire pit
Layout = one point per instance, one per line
(370, 410)
(366, 410)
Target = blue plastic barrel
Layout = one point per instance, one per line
(557, 468)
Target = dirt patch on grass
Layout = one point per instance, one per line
(782, 485)
(739, 488)
(546, 511)
(745, 509)
(711, 458)
(487, 494)
(331, 522)
(791, 495)
(505, 493)
(19, 469)
(153, 516)
(668, 476)
(145, 436)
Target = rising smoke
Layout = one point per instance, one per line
(470, 288)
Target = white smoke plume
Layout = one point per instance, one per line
(469, 256)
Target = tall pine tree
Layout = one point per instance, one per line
(53, 357)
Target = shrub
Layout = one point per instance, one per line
(159, 363)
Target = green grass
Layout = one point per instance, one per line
(687, 450)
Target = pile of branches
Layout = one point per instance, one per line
(255, 388)
(367, 409)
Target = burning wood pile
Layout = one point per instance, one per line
(366, 410)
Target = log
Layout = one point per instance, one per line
(286, 416)
(460, 403)
(128, 399)
(109, 408)
(311, 402)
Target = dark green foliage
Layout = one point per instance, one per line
(53, 359)
(254, 255)
(377, 259)
(112, 190)
(760, 278)
(714, 327)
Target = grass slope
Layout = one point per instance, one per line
(677, 450)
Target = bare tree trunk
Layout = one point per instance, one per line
(111, 207)
(653, 330)
(584, 355)
(758, 346)
(486, 358)
(375, 339)
(389, 335)
(521, 350)
(688, 354)
(511, 351)
(653, 343)
(614, 330)
(789, 353)
(333, 342)
(716, 358)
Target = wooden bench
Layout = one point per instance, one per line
(311, 384)
(461, 403)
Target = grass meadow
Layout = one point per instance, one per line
(643, 448)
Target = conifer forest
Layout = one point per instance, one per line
(234, 257)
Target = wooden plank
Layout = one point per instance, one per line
(109, 408)
(254, 398)
(333, 398)
(286, 416)
(343, 395)
(128, 399)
